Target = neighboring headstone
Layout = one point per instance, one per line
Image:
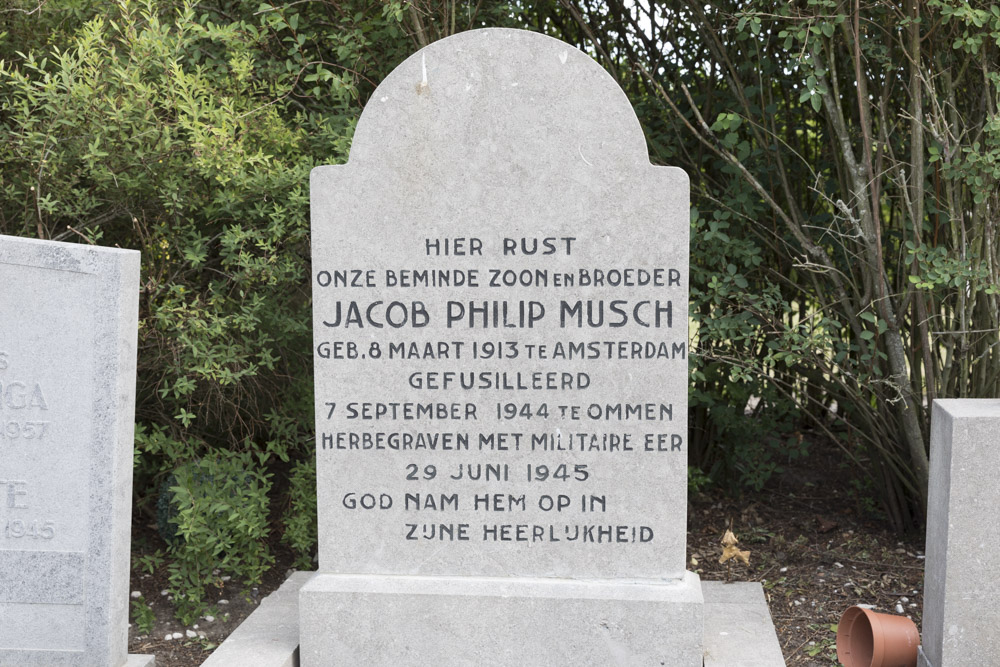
(500, 316)
(961, 616)
(68, 328)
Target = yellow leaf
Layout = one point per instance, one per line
(730, 551)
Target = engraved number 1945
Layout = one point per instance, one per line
(16, 528)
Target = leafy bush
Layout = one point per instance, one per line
(222, 527)
(142, 616)
(855, 151)
(188, 131)
(299, 523)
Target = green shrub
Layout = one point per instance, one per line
(143, 616)
(221, 519)
(300, 528)
(189, 137)
(188, 131)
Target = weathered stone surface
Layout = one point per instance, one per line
(501, 138)
(68, 326)
(504, 622)
(961, 585)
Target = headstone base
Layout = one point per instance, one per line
(138, 660)
(269, 637)
(413, 620)
(922, 659)
(739, 631)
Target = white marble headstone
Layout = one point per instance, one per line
(68, 327)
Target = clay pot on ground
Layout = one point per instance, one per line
(869, 639)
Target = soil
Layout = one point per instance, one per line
(816, 550)
(813, 545)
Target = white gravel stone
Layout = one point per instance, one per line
(191, 634)
(177, 635)
(209, 619)
(223, 601)
(136, 594)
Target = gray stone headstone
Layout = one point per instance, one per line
(961, 581)
(500, 289)
(68, 327)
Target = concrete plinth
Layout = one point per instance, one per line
(269, 637)
(738, 627)
(413, 621)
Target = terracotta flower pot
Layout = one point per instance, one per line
(869, 639)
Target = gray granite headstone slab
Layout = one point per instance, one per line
(500, 288)
(961, 583)
(68, 326)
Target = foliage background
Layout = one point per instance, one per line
(844, 157)
(845, 161)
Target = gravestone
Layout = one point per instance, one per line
(68, 326)
(500, 289)
(961, 584)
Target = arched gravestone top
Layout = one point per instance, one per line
(526, 100)
(495, 136)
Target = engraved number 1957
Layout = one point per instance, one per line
(27, 430)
